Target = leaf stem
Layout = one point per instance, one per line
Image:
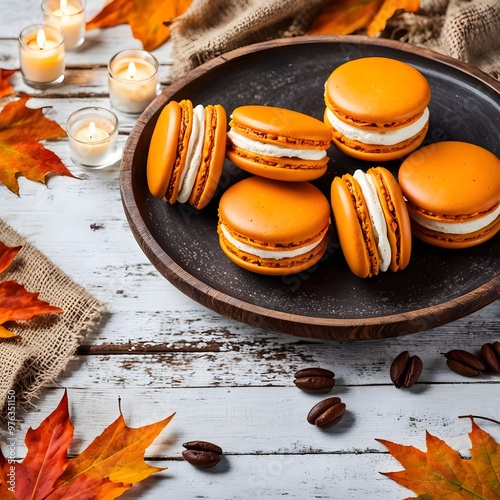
(478, 416)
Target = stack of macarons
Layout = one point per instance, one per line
(377, 108)
(452, 190)
(275, 222)
(186, 153)
(372, 221)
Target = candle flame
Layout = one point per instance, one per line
(41, 39)
(91, 129)
(63, 5)
(131, 69)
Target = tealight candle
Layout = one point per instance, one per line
(133, 80)
(41, 55)
(92, 134)
(69, 15)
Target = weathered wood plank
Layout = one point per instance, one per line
(249, 420)
(274, 476)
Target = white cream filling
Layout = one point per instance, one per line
(377, 217)
(193, 156)
(267, 254)
(454, 227)
(273, 150)
(388, 138)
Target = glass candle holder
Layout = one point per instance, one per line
(133, 80)
(92, 134)
(69, 15)
(41, 55)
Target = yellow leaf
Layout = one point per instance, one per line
(117, 454)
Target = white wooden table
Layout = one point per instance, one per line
(228, 383)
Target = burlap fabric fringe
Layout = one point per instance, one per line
(464, 29)
(47, 342)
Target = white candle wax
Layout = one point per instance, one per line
(92, 134)
(70, 17)
(41, 54)
(133, 81)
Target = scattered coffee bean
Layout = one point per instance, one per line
(202, 453)
(405, 370)
(327, 412)
(317, 380)
(464, 363)
(490, 354)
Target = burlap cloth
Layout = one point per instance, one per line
(468, 30)
(47, 342)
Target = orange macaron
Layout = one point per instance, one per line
(187, 152)
(372, 221)
(453, 193)
(273, 227)
(377, 108)
(278, 143)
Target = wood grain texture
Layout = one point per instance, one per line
(228, 382)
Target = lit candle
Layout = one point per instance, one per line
(92, 134)
(133, 80)
(69, 16)
(41, 55)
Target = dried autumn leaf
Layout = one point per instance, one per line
(389, 7)
(108, 467)
(7, 255)
(5, 86)
(442, 473)
(46, 457)
(17, 304)
(343, 17)
(20, 152)
(146, 18)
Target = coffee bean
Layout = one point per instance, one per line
(490, 357)
(464, 363)
(327, 412)
(405, 370)
(202, 453)
(317, 380)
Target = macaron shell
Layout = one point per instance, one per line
(214, 152)
(377, 92)
(186, 126)
(396, 216)
(453, 179)
(357, 242)
(281, 126)
(282, 169)
(273, 267)
(163, 149)
(271, 212)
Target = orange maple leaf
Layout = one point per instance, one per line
(342, 17)
(20, 152)
(442, 473)
(108, 467)
(17, 304)
(7, 255)
(146, 18)
(5, 86)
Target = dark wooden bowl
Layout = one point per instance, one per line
(327, 301)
